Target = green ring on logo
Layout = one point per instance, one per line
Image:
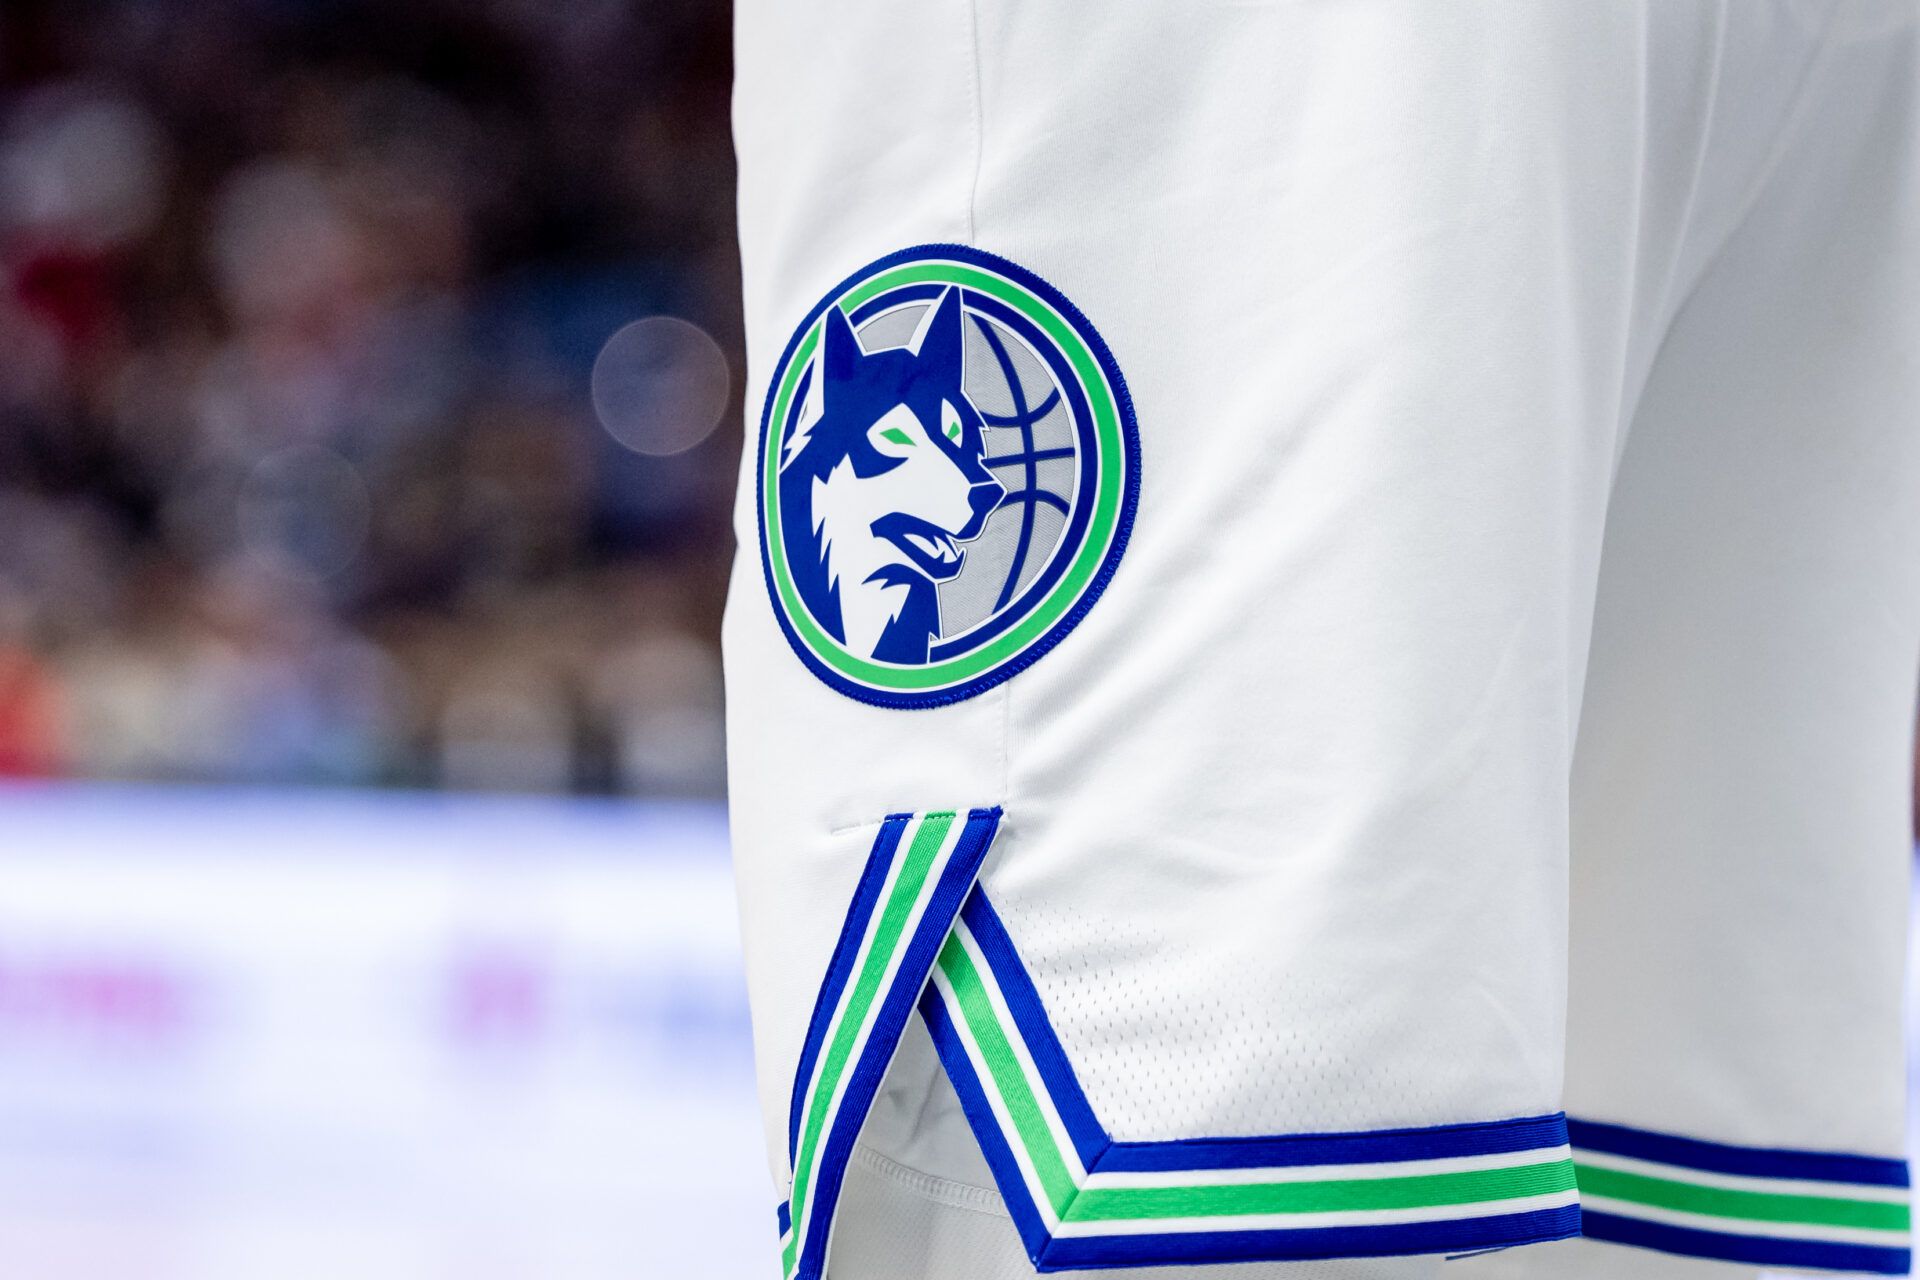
(1113, 501)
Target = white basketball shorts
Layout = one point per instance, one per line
(1322, 658)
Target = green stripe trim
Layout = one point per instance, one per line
(1752, 1206)
(886, 940)
(1004, 1066)
(1471, 1186)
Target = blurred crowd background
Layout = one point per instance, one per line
(368, 391)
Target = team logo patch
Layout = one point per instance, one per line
(948, 469)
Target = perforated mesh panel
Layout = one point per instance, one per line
(1175, 1038)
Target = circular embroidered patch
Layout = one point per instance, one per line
(948, 470)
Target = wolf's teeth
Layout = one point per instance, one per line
(940, 546)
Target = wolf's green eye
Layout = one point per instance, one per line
(896, 435)
(953, 429)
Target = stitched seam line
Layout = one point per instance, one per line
(975, 111)
(945, 1191)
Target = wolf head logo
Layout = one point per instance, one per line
(881, 491)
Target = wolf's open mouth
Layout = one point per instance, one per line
(931, 549)
(942, 548)
(934, 554)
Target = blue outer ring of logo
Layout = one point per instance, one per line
(1123, 528)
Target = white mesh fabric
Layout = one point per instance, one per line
(1174, 1035)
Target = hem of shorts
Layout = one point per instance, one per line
(1273, 1246)
(1650, 1189)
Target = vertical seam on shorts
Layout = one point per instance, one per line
(977, 111)
(974, 107)
(1006, 743)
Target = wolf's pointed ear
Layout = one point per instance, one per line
(842, 348)
(944, 339)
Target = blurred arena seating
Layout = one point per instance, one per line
(301, 479)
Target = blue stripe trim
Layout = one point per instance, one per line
(866, 895)
(1090, 1138)
(1752, 1162)
(784, 1217)
(1759, 1250)
(863, 1082)
(1304, 1244)
(986, 1129)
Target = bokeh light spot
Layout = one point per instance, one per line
(660, 385)
(306, 509)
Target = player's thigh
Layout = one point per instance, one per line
(1741, 802)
